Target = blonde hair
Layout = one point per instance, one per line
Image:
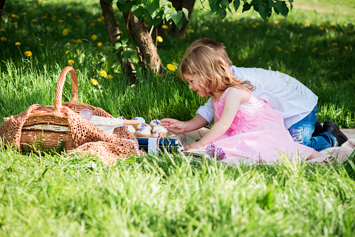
(211, 70)
(217, 46)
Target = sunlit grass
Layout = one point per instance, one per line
(57, 194)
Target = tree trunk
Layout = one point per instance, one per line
(113, 31)
(172, 29)
(2, 9)
(144, 41)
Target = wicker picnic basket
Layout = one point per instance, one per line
(46, 127)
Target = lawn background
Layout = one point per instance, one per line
(57, 194)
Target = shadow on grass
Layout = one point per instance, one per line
(320, 56)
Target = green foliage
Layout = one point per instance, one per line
(125, 46)
(54, 194)
(153, 12)
(263, 7)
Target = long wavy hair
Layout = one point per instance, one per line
(211, 70)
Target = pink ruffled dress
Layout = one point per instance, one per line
(257, 133)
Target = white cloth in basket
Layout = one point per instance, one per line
(106, 124)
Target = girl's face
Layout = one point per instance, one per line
(193, 85)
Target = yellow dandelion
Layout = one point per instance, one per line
(94, 81)
(276, 22)
(3, 38)
(294, 46)
(68, 44)
(53, 18)
(307, 21)
(25, 13)
(61, 21)
(45, 16)
(109, 77)
(346, 47)
(70, 61)
(92, 24)
(103, 73)
(159, 39)
(68, 14)
(77, 50)
(68, 51)
(257, 23)
(321, 28)
(164, 27)
(17, 43)
(237, 22)
(254, 26)
(94, 37)
(171, 67)
(79, 41)
(238, 13)
(28, 53)
(99, 44)
(41, 44)
(293, 50)
(336, 73)
(314, 50)
(191, 30)
(334, 44)
(65, 32)
(34, 20)
(279, 48)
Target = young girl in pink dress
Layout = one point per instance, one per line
(244, 126)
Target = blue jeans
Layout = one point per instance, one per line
(301, 132)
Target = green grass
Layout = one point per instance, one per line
(57, 194)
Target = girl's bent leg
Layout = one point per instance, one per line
(315, 154)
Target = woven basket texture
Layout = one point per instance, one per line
(71, 131)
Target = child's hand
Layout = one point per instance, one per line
(194, 145)
(173, 125)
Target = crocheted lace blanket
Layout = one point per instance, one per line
(83, 136)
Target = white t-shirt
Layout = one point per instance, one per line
(286, 94)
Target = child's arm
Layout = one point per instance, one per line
(233, 99)
(176, 126)
(206, 111)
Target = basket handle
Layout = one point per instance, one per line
(60, 84)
